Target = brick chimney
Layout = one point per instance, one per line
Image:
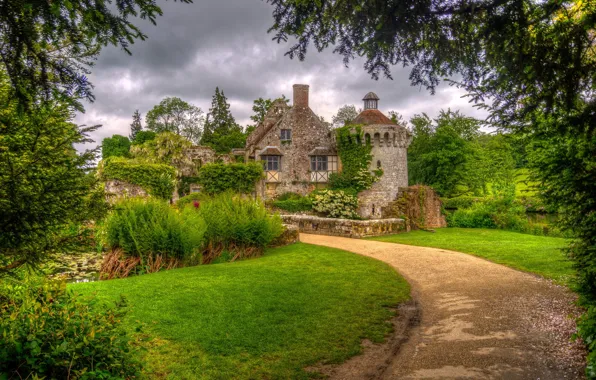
(301, 95)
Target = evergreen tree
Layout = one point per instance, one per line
(136, 126)
(221, 131)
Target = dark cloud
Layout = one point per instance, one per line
(224, 43)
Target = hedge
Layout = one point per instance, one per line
(158, 180)
(237, 177)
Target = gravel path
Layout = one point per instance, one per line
(479, 320)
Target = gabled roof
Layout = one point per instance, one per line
(271, 151)
(372, 116)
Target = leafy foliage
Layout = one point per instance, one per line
(344, 116)
(135, 126)
(238, 225)
(176, 116)
(42, 179)
(261, 107)
(221, 131)
(293, 202)
(506, 213)
(454, 157)
(335, 204)
(142, 137)
(157, 179)
(565, 165)
(356, 158)
(166, 148)
(51, 333)
(193, 199)
(115, 146)
(48, 47)
(237, 177)
(148, 227)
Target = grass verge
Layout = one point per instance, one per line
(263, 318)
(541, 255)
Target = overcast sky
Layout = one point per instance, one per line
(196, 47)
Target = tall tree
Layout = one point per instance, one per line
(441, 153)
(43, 181)
(221, 131)
(48, 46)
(344, 115)
(135, 126)
(115, 146)
(176, 116)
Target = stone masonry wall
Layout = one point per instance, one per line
(420, 205)
(346, 227)
(390, 152)
(116, 189)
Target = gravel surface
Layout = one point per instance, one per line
(478, 319)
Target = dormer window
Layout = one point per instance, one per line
(286, 135)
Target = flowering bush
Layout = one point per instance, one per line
(335, 204)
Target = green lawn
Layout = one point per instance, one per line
(536, 254)
(262, 318)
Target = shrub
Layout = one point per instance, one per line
(48, 332)
(289, 196)
(239, 225)
(149, 227)
(191, 199)
(499, 212)
(237, 177)
(157, 179)
(293, 202)
(462, 202)
(335, 203)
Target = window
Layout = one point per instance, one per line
(271, 163)
(321, 167)
(318, 163)
(286, 135)
(332, 163)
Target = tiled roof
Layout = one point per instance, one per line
(371, 116)
(271, 151)
(322, 151)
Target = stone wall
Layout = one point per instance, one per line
(116, 189)
(346, 227)
(390, 153)
(420, 205)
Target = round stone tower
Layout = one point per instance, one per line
(390, 143)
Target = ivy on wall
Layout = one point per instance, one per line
(159, 180)
(355, 155)
(237, 177)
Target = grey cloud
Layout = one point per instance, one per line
(196, 47)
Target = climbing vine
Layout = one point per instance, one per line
(157, 179)
(355, 155)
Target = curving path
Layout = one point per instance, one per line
(479, 320)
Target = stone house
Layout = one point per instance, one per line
(298, 151)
